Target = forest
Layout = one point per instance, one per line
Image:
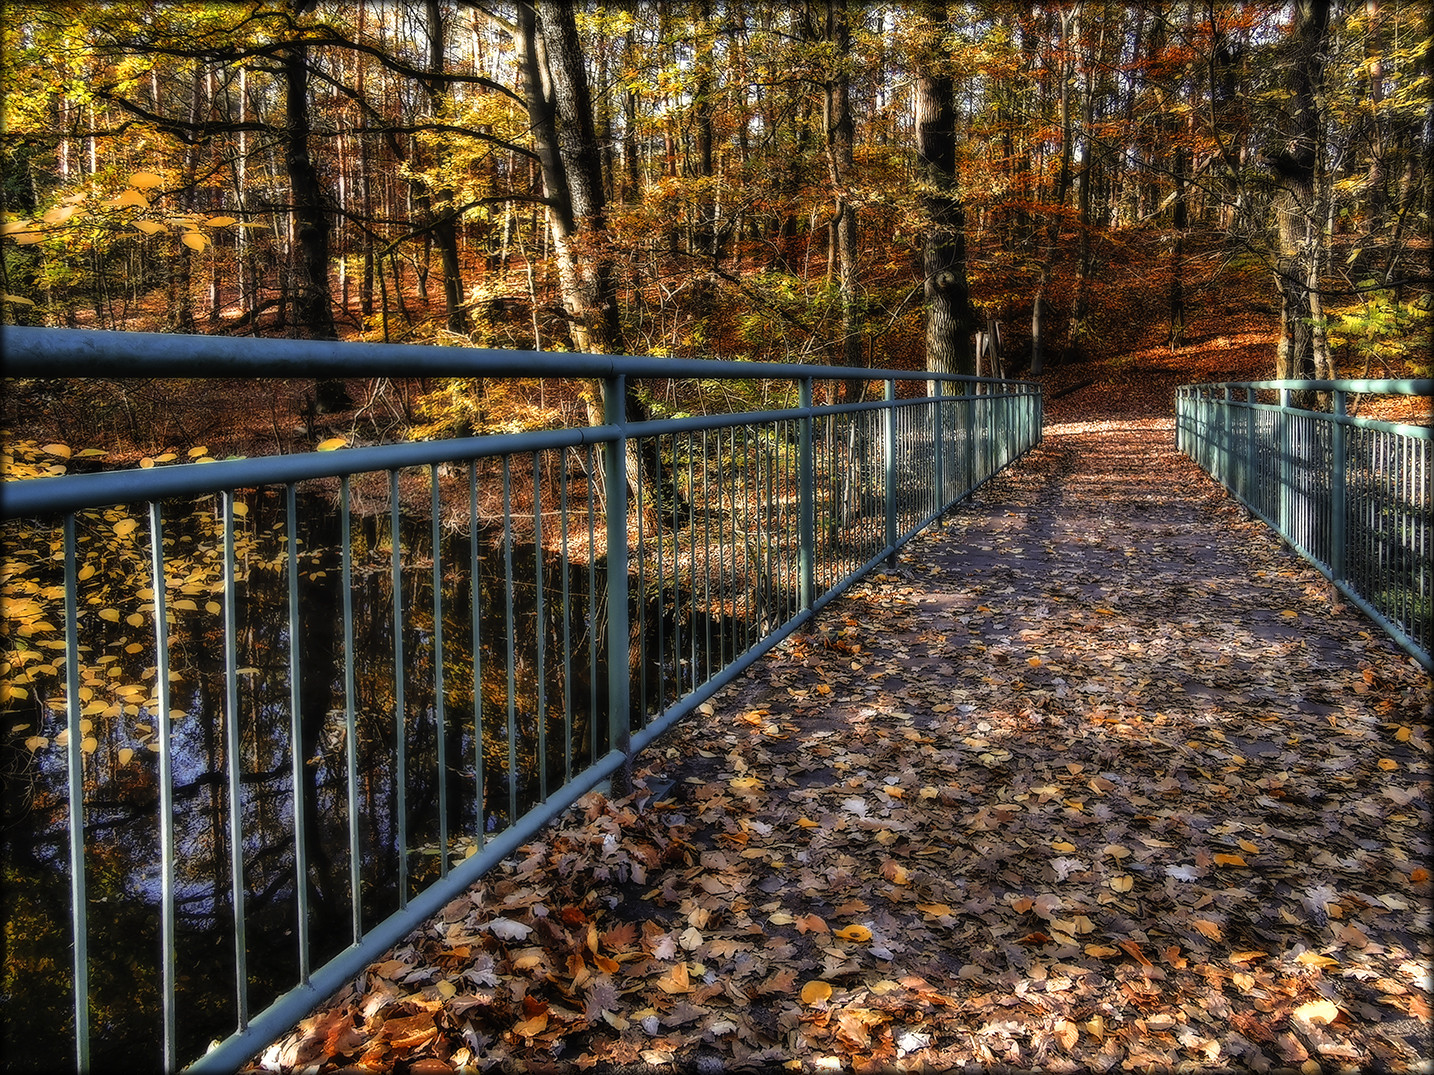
(832, 181)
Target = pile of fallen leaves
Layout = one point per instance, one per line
(1100, 777)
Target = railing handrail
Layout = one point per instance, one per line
(55, 352)
(1412, 386)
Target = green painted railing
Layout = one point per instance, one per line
(1350, 494)
(404, 627)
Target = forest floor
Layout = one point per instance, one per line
(1100, 776)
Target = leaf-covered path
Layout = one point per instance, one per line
(1098, 777)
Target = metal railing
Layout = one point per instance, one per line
(344, 684)
(1350, 494)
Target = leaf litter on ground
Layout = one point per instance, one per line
(1098, 776)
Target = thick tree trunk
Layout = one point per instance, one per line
(841, 166)
(950, 318)
(312, 299)
(1297, 207)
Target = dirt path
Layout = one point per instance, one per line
(1099, 776)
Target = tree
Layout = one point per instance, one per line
(950, 317)
(1300, 194)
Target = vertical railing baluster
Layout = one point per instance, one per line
(806, 524)
(540, 631)
(75, 774)
(351, 710)
(440, 715)
(169, 1033)
(591, 471)
(233, 770)
(640, 498)
(889, 460)
(296, 733)
(619, 713)
(400, 701)
(511, 640)
(475, 585)
(567, 618)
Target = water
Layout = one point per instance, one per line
(534, 642)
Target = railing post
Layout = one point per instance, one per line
(938, 445)
(1286, 464)
(1227, 440)
(1251, 446)
(891, 470)
(1338, 470)
(619, 716)
(807, 520)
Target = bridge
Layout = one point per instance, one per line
(988, 805)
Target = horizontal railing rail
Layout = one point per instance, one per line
(318, 695)
(1350, 494)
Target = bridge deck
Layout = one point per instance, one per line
(1099, 775)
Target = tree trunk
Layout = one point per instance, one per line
(313, 302)
(841, 166)
(1299, 221)
(950, 318)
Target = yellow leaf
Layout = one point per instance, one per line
(531, 1027)
(59, 214)
(814, 991)
(854, 932)
(1223, 859)
(146, 463)
(1063, 845)
(1289, 613)
(150, 227)
(165, 458)
(1317, 1011)
(62, 451)
(125, 755)
(1122, 882)
(221, 221)
(10, 227)
(1404, 733)
(332, 443)
(110, 615)
(1314, 959)
(145, 180)
(1100, 951)
(35, 742)
(213, 608)
(446, 989)
(240, 508)
(936, 910)
(1388, 764)
(808, 823)
(201, 450)
(195, 240)
(1246, 845)
(21, 299)
(745, 783)
(89, 744)
(129, 197)
(1034, 662)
